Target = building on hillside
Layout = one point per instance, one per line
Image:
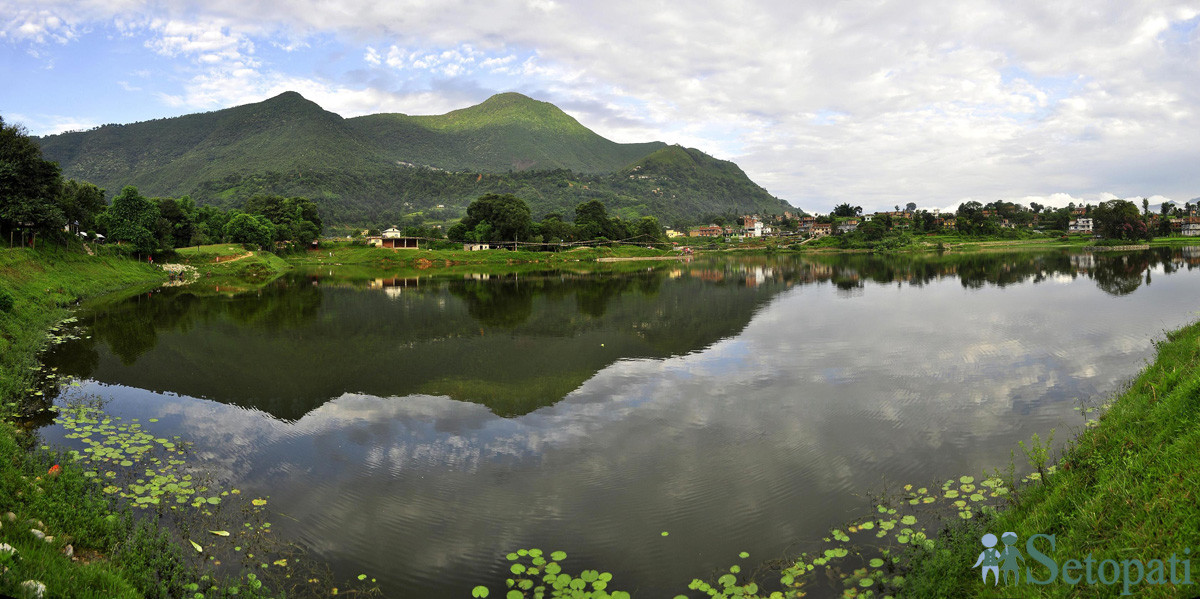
(1191, 226)
(848, 225)
(1080, 225)
(752, 226)
(393, 239)
(709, 231)
(821, 229)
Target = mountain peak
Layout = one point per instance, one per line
(511, 98)
(290, 98)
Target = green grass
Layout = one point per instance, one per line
(1128, 488)
(231, 268)
(117, 557)
(344, 254)
(42, 284)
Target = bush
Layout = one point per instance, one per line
(6, 301)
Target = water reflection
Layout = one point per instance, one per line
(746, 404)
(512, 342)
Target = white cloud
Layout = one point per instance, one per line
(874, 103)
(50, 124)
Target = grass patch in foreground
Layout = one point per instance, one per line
(1126, 489)
(112, 555)
(36, 287)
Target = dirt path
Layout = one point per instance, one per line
(639, 258)
(220, 261)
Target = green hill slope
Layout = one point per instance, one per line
(380, 167)
(172, 156)
(506, 132)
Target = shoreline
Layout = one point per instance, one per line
(89, 546)
(1173, 376)
(1120, 490)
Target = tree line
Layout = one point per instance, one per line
(495, 218)
(36, 200)
(1113, 219)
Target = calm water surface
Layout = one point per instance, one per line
(418, 429)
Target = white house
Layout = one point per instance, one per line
(1081, 225)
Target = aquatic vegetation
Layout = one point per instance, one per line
(135, 464)
(865, 558)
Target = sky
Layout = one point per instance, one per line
(876, 103)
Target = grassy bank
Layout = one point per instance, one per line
(41, 285)
(84, 546)
(1127, 489)
(345, 253)
(228, 268)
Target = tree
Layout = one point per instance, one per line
(176, 225)
(554, 229)
(507, 216)
(648, 230)
(872, 230)
(30, 185)
(969, 217)
(1145, 207)
(253, 230)
(910, 207)
(80, 203)
(845, 210)
(1119, 219)
(1036, 207)
(296, 219)
(132, 218)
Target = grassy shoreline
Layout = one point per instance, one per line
(1123, 489)
(85, 546)
(1126, 489)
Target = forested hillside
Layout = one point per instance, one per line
(384, 166)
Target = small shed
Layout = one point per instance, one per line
(393, 239)
(475, 247)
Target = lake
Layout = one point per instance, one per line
(417, 427)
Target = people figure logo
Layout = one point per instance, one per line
(990, 558)
(1009, 558)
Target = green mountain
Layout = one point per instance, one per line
(379, 168)
(505, 132)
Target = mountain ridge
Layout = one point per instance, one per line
(382, 165)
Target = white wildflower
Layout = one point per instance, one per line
(33, 589)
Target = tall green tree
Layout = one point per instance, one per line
(554, 229)
(845, 210)
(591, 220)
(507, 218)
(296, 218)
(250, 229)
(80, 203)
(29, 184)
(132, 218)
(969, 217)
(1119, 219)
(648, 230)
